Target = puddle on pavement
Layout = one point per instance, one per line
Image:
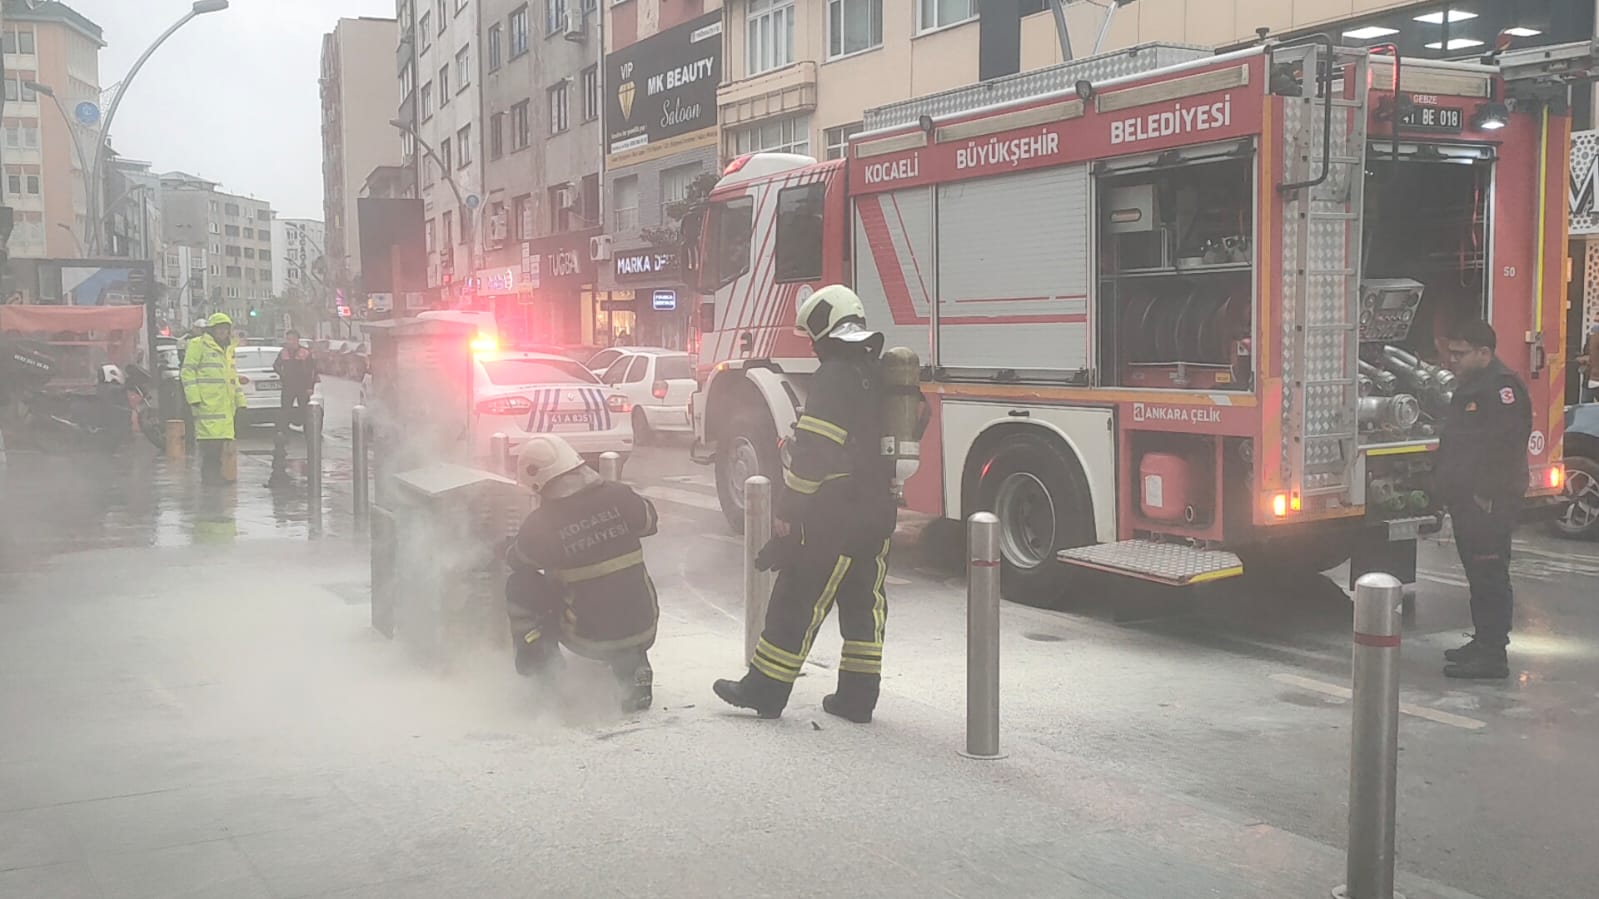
(56, 504)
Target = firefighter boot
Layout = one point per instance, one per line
(538, 657)
(637, 681)
(755, 691)
(856, 697)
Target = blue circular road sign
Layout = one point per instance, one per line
(87, 113)
(472, 201)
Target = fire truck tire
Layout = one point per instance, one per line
(746, 446)
(1036, 488)
(1579, 516)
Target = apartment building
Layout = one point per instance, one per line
(542, 152)
(663, 64)
(359, 96)
(235, 232)
(185, 271)
(297, 249)
(132, 214)
(48, 139)
(799, 73)
(448, 105)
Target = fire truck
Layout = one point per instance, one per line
(1178, 313)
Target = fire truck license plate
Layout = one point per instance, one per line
(1426, 117)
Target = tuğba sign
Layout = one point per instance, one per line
(664, 88)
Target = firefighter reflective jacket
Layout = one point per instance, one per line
(835, 480)
(211, 388)
(588, 544)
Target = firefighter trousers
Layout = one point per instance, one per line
(1483, 538)
(536, 608)
(803, 595)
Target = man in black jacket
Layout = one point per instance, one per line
(1482, 477)
(834, 518)
(296, 368)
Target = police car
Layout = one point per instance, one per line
(519, 394)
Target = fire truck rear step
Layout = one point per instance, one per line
(1173, 564)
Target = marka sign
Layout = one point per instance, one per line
(645, 266)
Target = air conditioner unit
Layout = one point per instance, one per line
(600, 248)
(497, 230)
(565, 197)
(574, 23)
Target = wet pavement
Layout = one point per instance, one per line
(196, 705)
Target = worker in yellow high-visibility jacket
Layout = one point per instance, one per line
(211, 388)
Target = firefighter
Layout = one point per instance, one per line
(834, 518)
(211, 389)
(577, 572)
(1482, 477)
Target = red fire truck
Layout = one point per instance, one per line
(1178, 313)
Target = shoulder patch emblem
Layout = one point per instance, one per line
(1507, 396)
(1471, 407)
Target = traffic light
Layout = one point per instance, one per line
(253, 312)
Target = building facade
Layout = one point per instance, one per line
(448, 111)
(48, 146)
(185, 272)
(663, 64)
(297, 263)
(359, 96)
(132, 218)
(235, 232)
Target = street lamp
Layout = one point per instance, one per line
(83, 162)
(467, 231)
(200, 8)
(70, 233)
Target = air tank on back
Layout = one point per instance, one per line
(905, 413)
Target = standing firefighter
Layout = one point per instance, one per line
(577, 572)
(211, 388)
(835, 516)
(1482, 477)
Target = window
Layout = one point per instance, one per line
(554, 16)
(231, 230)
(853, 26)
(427, 171)
(444, 157)
(522, 208)
(233, 251)
(520, 127)
(731, 226)
(837, 139)
(591, 93)
(496, 36)
(445, 222)
(497, 135)
(19, 41)
(463, 68)
(232, 209)
(249, 253)
(429, 236)
(216, 269)
(463, 145)
(213, 205)
(424, 26)
(790, 135)
(675, 183)
(558, 108)
(519, 32)
(216, 246)
(799, 233)
(212, 227)
(939, 13)
(560, 212)
(249, 232)
(407, 80)
(590, 197)
(770, 36)
(263, 215)
(624, 196)
(444, 86)
(266, 255)
(427, 101)
(444, 15)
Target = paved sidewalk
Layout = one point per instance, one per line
(219, 720)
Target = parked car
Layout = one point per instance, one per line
(263, 392)
(1580, 517)
(602, 361)
(519, 394)
(658, 383)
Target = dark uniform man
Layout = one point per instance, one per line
(834, 515)
(297, 377)
(577, 572)
(1482, 477)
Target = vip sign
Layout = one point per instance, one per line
(665, 88)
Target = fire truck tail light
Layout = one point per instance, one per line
(484, 345)
(1557, 476)
(505, 405)
(618, 404)
(1279, 505)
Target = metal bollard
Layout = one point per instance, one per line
(610, 466)
(500, 455)
(313, 463)
(982, 638)
(358, 467)
(757, 584)
(1374, 741)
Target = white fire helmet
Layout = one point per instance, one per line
(543, 459)
(110, 374)
(834, 311)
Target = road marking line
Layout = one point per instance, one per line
(893, 581)
(1417, 711)
(1441, 578)
(682, 498)
(697, 480)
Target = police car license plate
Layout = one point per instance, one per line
(268, 386)
(571, 418)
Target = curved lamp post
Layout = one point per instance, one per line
(83, 161)
(200, 8)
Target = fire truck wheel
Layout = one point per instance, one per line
(1579, 518)
(746, 447)
(1040, 496)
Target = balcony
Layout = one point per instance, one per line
(784, 91)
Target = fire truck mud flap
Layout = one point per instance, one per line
(1172, 564)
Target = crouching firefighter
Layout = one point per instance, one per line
(577, 572)
(834, 517)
